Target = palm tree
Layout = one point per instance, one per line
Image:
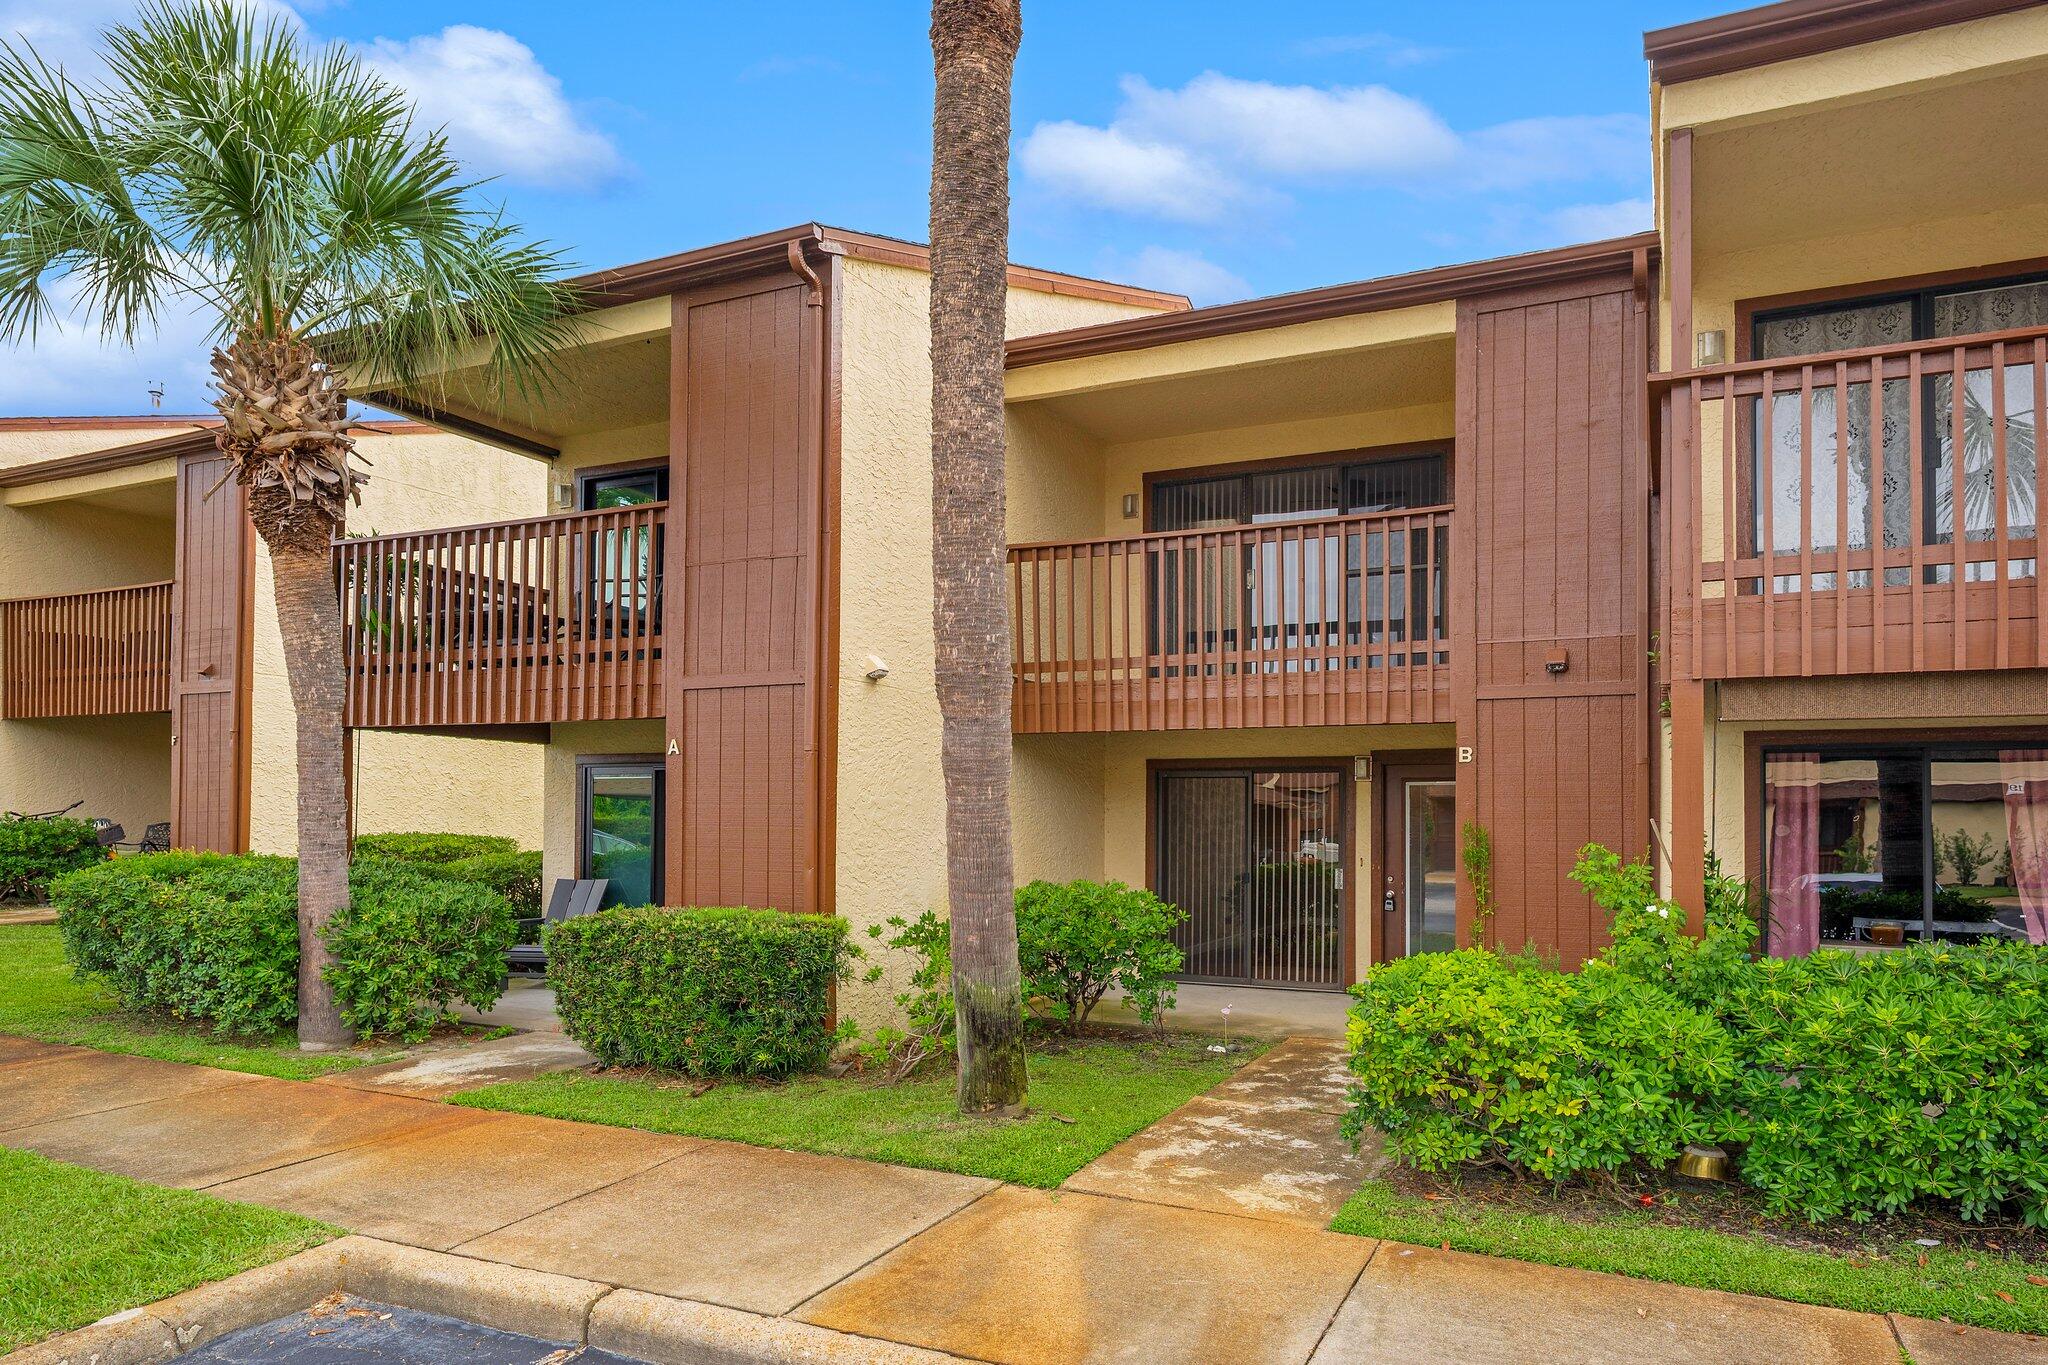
(974, 47)
(222, 164)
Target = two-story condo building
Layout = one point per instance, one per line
(1344, 618)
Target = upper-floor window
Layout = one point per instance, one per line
(625, 488)
(1342, 485)
(1912, 315)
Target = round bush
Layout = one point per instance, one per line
(710, 992)
(213, 937)
(1077, 941)
(34, 851)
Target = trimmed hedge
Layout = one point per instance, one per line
(213, 937)
(515, 875)
(432, 848)
(709, 992)
(1845, 1084)
(34, 851)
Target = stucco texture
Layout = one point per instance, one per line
(403, 781)
(113, 530)
(890, 856)
(560, 815)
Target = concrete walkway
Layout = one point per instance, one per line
(1131, 1268)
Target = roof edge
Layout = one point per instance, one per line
(197, 439)
(1798, 28)
(1435, 285)
(770, 251)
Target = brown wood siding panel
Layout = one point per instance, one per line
(209, 698)
(1554, 500)
(742, 688)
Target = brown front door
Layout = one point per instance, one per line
(1418, 837)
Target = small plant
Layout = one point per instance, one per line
(34, 851)
(926, 1004)
(1856, 856)
(1964, 854)
(1475, 852)
(1079, 940)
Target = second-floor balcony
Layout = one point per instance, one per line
(1338, 621)
(1867, 511)
(104, 653)
(545, 619)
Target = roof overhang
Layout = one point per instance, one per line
(1436, 285)
(1798, 28)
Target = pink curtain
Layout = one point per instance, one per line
(2025, 775)
(1792, 808)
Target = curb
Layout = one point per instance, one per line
(532, 1303)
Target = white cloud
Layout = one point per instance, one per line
(505, 113)
(70, 370)
(1181, 272)
(1219, 141)
(1591, 222)
(1110, 168)
(1293, 130)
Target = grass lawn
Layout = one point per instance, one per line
(1963, 1285)
(1086, 1097)
(76, 1245)
(39, 998)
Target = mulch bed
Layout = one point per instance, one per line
(1676, 1201)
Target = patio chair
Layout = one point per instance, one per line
(567, 900)
(108, 833)
(156, 838)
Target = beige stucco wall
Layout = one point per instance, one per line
(106, 531)
(890, 855)
(403, 781)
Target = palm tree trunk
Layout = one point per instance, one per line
(309, 617)
(974, 47)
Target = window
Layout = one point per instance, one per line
(1888, 844)
(625, 566)
(620, 838)
(1339, 487)
(631, 488)
(1877, 445)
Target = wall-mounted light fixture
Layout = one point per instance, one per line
(1130, 507)
(1557, 661)
(561, 488)
(877, 670)
(1710, 348)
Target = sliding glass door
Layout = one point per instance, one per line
(622, 820)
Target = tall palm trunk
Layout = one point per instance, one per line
(285, 427)
(974, 47)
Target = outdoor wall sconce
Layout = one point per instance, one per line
(1130, 506)
(877, 670)
(1557, 661)
(1710, 348)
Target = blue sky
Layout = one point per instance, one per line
(1219, 149)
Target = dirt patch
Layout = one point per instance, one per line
(1675, 1201)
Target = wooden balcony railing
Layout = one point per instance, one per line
(519, 622)
(104, 653)
(1333, 622)
(1814, 523)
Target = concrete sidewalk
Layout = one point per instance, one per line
(1132, 1268)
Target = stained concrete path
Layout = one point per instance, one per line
(1264, 1144)
(952, 1263)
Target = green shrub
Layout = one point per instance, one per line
(704, 991)
(1870, 1081)
(432, 848)
(1473, 1056)
(34, 851)
(515, 875)
(927, 1003)
(1079, 940)
(211, 937)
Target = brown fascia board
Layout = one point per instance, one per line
(1367, 296)
(1798, 28)
(770, 251)
(196, 441)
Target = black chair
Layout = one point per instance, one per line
(156, 838)
(108, 833)
(568, 900)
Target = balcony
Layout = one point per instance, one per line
(1331, 622)
(519, 622)
(1798, 582)
(105, 653)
